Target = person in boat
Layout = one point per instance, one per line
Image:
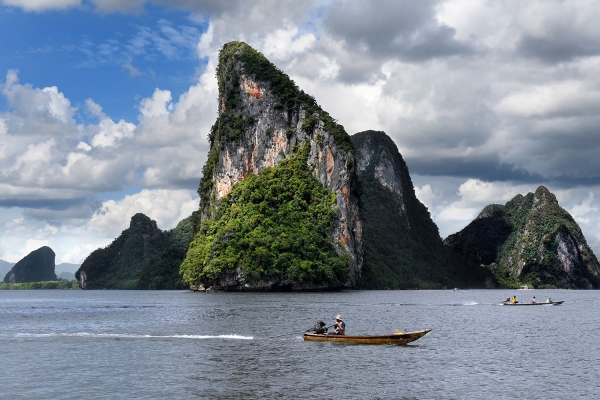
(507, 300)
(339, 326)
(533, 300)
(514, 300)
(549, 300)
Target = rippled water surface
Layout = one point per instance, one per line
(178, 344)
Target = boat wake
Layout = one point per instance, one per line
(132, 336)
(470, 303)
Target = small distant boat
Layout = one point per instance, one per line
(554, 303)
(394, 338)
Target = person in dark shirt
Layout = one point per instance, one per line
(339, 326)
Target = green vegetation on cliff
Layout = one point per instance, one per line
(530, 240)
(142, 257)
(402, 245)
(274, 226)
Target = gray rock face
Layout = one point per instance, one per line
(272, 136)
(380, 159)
(567, 252)
(402, 245)
(37, 266)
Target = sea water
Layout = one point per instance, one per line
(178, 344)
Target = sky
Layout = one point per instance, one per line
(105, 105)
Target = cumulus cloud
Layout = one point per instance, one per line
(30, 245)
(426, 195)
(166, 207)
(73, 238)
(36, 111)
(585, 211)
(453, 211)
(46, 151)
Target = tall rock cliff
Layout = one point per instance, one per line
(37, 266)
(402, 245)
(529, 240)
(142, 257)
(264, 118)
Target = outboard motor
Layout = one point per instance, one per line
(320, 328)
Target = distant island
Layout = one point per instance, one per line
(530, 240)
(35, 271)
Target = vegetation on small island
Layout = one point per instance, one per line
(61, 285)
(142, 257)
(274, 225)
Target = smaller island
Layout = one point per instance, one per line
(36, 271)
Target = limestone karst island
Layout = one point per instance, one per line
(290, 201)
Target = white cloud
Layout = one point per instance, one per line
(30, 245)
(453, 212)
(42, 5)
(158, 105)
(166, 207)
(73, 242)
(475, 191)
(205, 42)
(110, 133)
(562, 99)
(456, 213)
(282, 44)
(426, 195)
(36, 111)
(167, 149)
(83, 146)
(585, 211)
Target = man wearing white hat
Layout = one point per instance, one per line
(340, 325)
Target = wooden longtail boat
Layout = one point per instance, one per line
(394, 338)
(554, 303)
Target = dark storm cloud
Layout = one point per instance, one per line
(484, 169)
(58, 212)
(390, 29)
(49, 204)
(561, 47)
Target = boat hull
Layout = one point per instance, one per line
(554, 303)
(401, 338)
